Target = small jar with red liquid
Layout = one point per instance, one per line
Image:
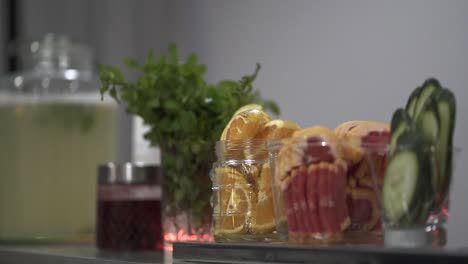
(129, 207)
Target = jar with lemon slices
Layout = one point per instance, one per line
(242, 182)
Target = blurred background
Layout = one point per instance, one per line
(324, 62)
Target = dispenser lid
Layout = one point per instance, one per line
(129, 173)
(52, 65)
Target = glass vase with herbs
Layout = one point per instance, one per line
(186, 116)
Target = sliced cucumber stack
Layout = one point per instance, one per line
(421, 154)
(401, 122)
(407, 183)
(412, 101)
(428, 89)
(427, 127)
(427, 123)
(399, 189)
(446, 107)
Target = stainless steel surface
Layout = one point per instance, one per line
(231, 253)
(246, 253)
(128, 173)
(74, 254)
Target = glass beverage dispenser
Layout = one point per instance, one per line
(54, 131)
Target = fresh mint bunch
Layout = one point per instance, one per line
(186, 116)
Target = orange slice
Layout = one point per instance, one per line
(264, 215)
(247, 108)
(351, 134)
(276, 129)
(292, 152)
(359, 128)
(235, 203)
(245, 123)
(324, 133)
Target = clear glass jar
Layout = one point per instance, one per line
(55, 131)
(242, 192)
(310, 185)
(326, 191)
(423, 222)
(129, 207)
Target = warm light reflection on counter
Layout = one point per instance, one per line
(181, 235)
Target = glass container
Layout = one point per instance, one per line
(242, 192)
(187, 214)
(417, 217)
(324, 190)
(129, 207)
(54, 132)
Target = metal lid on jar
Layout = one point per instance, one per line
(128, 173)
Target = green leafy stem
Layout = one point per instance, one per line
(186, 116)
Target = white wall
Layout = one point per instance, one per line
(326, 62)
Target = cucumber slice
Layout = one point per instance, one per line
(412, 100)
(429, 87)
(427, 128)
(420, 212)
(446, 106)
(400, 185)
(427, 123)
(421, 208)
(401, 122)
(407, 191)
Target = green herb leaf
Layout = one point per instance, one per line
(173, 53)
(131, 62)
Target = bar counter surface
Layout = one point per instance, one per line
(232, 253)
